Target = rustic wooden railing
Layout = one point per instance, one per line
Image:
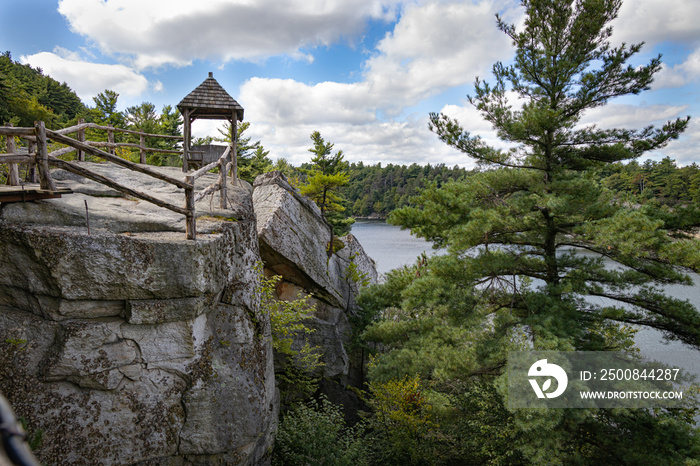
(39, 160)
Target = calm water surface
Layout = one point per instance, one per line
(392, 247)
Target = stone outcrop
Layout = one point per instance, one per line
(131, 344)
(294, 238)
(128, 344)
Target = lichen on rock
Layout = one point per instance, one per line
(110, 342)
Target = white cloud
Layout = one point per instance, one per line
(631, 116)
(398, 142)
(416, 61)
(681, 74)
(655, 21)
(435, 46)
(286, 101)
(85, 78)
(176, 32)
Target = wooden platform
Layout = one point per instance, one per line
(29, 193)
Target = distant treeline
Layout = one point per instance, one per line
(661, 180)
(377, 190)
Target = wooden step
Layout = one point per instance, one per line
(29, 193)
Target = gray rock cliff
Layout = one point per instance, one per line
(131, 344)
(293, 238)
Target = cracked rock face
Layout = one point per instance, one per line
(293, 238)
(132, 345)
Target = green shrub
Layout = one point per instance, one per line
(315, 433)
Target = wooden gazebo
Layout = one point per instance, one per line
(209, 101)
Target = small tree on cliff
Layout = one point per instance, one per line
(253, 159)
(536, 242)
(323, 182)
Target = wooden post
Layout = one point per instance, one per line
(42, 154)
(13, 175)
(142, 151)
(81, 138)
(31, 148)
(110, 139)
(190, 223)
(234, 149)
(222, 181)
(186, 139)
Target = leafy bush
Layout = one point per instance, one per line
(287, 321)
(315, 433)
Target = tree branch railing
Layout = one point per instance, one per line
(80, 128)
(38, 156)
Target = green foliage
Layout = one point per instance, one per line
(292, 173)
(257, 164)
(144, 118)
(35, 438)
(323, 182)
(354, 275)
(316, 433)
(253, 159)
(377, 190)
(26, 95)
(531, 239)
(105, 111)
(403, 424)
(287, 319)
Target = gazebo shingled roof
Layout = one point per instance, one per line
(210, 101)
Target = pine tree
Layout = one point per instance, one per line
(538, 200)
(324, 180)
(531, 237)
(253, 159)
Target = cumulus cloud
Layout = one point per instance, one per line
(655, 21)
(286, 101)
(397, 142)
(631, 116)
(679, 75)
(414, 62)
(85, 78)
(176, 32)
(435, 46)
(685, 150)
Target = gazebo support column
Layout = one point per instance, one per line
(187, 131)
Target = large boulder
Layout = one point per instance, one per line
(294, 238)
(131, 344)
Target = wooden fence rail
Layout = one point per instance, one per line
(39, 157)
(80, 128)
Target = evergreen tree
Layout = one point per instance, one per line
(253, 159)
(324, 180)
(169, 123)
(26, 95)
(105, 111)
(514, 231)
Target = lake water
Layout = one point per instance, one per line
(389, 246)
(392, 247)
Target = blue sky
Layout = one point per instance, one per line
(365, 73)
